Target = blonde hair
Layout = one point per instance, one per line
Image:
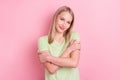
(67, 33)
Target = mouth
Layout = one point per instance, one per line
(61, 27)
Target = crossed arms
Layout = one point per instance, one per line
(69, 58)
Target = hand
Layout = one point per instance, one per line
(74, 45)
(43, 57)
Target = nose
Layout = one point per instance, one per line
(64, 24)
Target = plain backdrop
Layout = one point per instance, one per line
(22, 22)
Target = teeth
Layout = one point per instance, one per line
(61, 27)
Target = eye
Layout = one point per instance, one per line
(62, 19)
(69, 22)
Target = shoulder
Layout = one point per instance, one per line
(74, 33)
(43, 43)
(75, 36)
(43, 39)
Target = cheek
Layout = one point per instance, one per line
(67, 28)
(59, 22)
(68, 25)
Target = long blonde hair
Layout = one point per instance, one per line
(67, 33)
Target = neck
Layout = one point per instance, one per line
(59, 36)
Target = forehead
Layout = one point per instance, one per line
(66, 15)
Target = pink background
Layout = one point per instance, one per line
(22, 22)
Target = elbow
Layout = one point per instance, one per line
(52, 71)
(74, 65)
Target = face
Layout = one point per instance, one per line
(63, 22)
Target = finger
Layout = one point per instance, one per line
(78, 51)
(78, 42)
(79, 47)
(42, 61)
(38, 51)
(72, 42)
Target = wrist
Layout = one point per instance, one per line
(69, 50)
(49, 58)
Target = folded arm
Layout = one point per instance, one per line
(52, 68)
(54, 63)
(71, 61)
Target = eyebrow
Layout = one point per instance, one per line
(69, 21)
(64, 18)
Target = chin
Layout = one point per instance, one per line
(60, 31)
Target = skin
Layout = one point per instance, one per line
(70, 57)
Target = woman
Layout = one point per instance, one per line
(59, 50)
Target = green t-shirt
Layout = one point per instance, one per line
(56, 49)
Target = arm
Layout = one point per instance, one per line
(66, 62)
(52, 68)
(71, 61)
(62, 60)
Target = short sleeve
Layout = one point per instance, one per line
(75, 36)
(43, 44)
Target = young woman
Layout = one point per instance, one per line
(59, 51)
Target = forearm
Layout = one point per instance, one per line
(64, 61)
(52, 68)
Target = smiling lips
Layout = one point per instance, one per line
(61, 27)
